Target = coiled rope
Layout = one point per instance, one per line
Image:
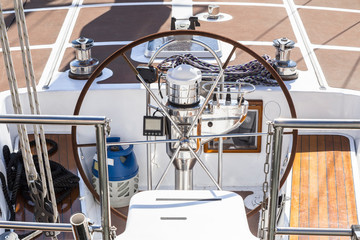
(64, 180)
(252, 72)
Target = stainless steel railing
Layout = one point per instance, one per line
(279, 126)
(220, 152)
(56, 227)
(100, 123)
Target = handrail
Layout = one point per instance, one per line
(220, 151)
(318, 123)
(101, 124)
(314, 231)
(279, 125)
(229, 135)
(53, 119)
(61, 227)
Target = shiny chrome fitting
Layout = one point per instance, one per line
(84, 65)
(213, 11)
(286, 68)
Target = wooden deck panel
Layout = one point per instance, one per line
(323, 202)
(313, 181)
(350, 191)
(295, 191)
(304, 183)
(322, 185)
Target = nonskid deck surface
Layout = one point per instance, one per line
(330, 30)
(323, 193)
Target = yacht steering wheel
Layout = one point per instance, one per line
(121, 53)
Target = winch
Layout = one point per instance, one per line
(83, 66)
(284, 66)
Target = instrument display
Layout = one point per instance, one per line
(153, 126)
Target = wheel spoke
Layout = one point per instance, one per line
(219, 76)
(168, 166)
(162, 107)
(229, 58)
(204, 167)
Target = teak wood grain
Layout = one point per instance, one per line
(322, 194)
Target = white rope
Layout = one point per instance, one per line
(29, 165)
(33, 100)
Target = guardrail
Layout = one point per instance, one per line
(279, 126)
(100, 124)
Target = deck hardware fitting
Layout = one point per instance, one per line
(213, 14)
(284, 65)
(355, 232)
(83, 66)
(80, 227)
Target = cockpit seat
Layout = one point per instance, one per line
(175, 214)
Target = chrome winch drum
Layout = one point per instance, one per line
(183, 85)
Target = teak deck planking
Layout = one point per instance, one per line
(322, 194)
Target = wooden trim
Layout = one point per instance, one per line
(253, 105)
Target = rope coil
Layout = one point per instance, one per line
(64, 183)
(64, 180)
(252, 72)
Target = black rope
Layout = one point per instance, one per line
(252, 72)
(64, 180)
(7, 198)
